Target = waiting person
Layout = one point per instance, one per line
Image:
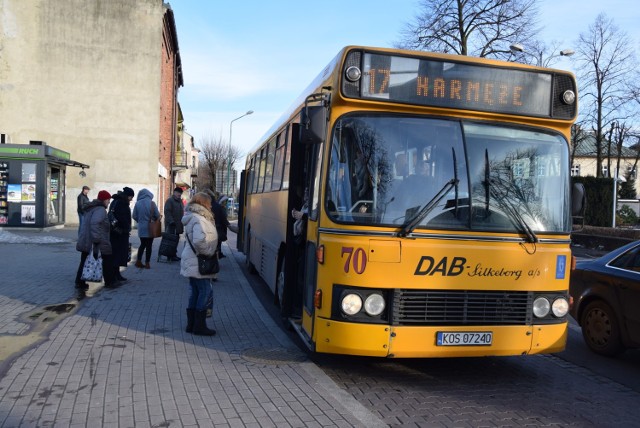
(301, 217)
(173, 212)
(220, 217)
(144, 211)
(120, 232)
(83, 200)
(200, 230)
(300, 225)
(94, 237)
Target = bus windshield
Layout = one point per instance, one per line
(384, 170)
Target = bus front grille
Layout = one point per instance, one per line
(461, 308)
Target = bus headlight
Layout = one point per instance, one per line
(351, 304)
(374, 304)
(569, 97)
(541, 307)
(353, 74)
(560, 307)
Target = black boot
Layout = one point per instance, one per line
(200, 324)
(190, 318)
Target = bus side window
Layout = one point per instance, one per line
(250, 176)
(278, 166)
(287, 157)
(268, 176)
(263, 169)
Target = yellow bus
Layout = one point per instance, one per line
(438, 206)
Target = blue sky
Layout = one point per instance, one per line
(259, 55)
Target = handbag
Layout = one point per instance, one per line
(92, 269)
(155, 227)
(207, 265)
(113, 221)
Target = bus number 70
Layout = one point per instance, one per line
(357, 258)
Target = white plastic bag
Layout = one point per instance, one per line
(92, 269)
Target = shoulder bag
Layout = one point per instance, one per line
(207, 265)
(155, 226)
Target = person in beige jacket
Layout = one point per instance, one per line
(200, 229)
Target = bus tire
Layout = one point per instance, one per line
(250, 267)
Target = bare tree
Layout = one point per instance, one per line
(216, 156)
(578, 138)
(484, 28)
(605, 62)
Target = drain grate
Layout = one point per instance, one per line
(273, 355)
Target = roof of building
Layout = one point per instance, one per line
(587, 148)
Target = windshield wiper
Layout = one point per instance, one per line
(455, 177)
(412, 223)
(487, 184)
(515, 217)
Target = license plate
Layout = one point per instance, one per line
(464, 338)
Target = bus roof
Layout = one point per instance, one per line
(329, 76)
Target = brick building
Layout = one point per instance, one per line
(97, 79)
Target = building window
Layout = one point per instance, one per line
(605, 171)
(575, 171)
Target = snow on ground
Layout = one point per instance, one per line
(7, 237)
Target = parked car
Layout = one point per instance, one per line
(606, 300)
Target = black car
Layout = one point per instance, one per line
(606, 300)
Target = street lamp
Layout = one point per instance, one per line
(517, 48)
(229, 157)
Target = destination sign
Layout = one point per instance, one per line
(455, 85)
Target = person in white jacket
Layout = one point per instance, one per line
(200, 229)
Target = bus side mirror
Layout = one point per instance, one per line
(313, 125)
(313, 118)
(578, 200)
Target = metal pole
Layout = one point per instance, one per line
(615, 191)
(229, 153)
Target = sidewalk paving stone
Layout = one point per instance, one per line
(121, 357)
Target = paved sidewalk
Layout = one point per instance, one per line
(121, 357)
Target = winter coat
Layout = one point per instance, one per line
(143, 211)
(120, 241)
(173, 212)
(83, 200)
(220, 216)
(201, 230)
(95, 229)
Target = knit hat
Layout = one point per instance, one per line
(103, 195)
(128, 191)
(178, 189)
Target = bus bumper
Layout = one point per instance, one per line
(418, 342)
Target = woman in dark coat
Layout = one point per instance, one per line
(120, 233)
(93, 236)
(220, 216)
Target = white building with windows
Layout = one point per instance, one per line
(584, 162)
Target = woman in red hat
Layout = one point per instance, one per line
(94, 237)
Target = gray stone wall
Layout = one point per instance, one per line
(84, 76)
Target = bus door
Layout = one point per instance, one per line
(304, 181)
(311, 263)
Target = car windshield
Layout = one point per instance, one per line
(385, 170)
